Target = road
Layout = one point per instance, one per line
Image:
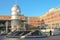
(46, 38)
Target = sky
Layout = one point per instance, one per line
(29, 7)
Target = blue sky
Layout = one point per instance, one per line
(29, 7)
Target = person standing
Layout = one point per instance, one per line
(50, 33)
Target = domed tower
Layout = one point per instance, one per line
(15, 16)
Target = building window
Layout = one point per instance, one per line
(2, 17)
(57, 12)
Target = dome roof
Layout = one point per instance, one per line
(15, 8)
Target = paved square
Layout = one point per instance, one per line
(47, 38)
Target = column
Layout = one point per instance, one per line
(24, 26)
(6, 26)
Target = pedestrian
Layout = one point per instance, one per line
(50, 33)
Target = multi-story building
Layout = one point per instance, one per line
(5, 22)
(51, 18)
(34, 22)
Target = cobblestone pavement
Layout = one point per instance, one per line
(46, 38)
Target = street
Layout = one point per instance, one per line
(46, 38)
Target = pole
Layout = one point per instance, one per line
(6, 26)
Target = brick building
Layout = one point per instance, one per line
(51, 18)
